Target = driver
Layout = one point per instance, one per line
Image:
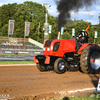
(80, 40)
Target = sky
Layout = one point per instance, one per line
(90, 15)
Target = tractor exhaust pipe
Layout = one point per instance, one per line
(59, 35)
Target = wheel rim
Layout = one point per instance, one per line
(61, 65)
(95, 60)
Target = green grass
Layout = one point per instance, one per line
(81, 98)
(94, 97)
(17, 62)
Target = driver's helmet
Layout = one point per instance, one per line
(80, 35)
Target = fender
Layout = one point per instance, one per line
(83, 46)
(47, 59)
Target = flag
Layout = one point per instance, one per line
(50, 28)
(11, 27)
(27, 28)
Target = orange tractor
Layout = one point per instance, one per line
(65, 54)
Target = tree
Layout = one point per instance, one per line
(28, 11)
(66, 35)
(52, 21)
(35, 13)
(79, 25)
(6, 12)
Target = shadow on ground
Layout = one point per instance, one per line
(65, 98)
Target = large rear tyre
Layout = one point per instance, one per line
(90, 59)
(60, 66)
(41, 68)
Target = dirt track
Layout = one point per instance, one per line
(27, 81)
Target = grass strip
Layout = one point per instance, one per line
(81, 98)
(17, 62)
(91, 97)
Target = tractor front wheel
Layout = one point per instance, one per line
(60, 66)
(41, 68)
(90, 59)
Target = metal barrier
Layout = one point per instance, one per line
(20, 52)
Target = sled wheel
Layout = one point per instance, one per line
(90, 59)
(60, 66)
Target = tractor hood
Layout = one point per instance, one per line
(58, 47)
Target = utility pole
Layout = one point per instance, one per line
(38, 32)
(46, 24)
(99, 19)
(95, 36)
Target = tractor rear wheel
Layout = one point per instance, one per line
(90, 59)
(41, 68)
(60, 66)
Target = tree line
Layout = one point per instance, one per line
(35, 13)
(27, 12)
(81, 25)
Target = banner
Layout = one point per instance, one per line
(96, 34)
(62, 30)
(73, 31)
(50, 28)
(11, 27)
(27, 28)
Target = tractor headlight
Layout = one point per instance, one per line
(51, 47)
(48, 49)
(43, 49)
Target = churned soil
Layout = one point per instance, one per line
(26, 82)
